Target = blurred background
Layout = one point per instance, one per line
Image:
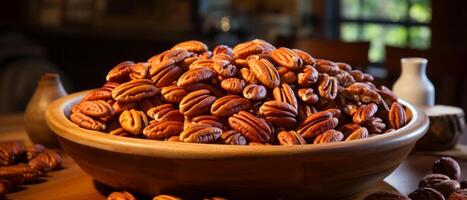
(83, 39)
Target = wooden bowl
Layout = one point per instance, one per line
(309, 171)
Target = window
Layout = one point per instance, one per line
(400, 23)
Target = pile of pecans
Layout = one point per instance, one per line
(20, 165)
(253, 94)
(443, 184)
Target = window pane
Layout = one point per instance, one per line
(349, 32)
(420, 11)
(381, 35)
(396, 36)
(350, 9)
(420, 37)
(393, 10)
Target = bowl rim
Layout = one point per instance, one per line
(59, 123)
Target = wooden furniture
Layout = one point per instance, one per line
(308, 171)
(353, 53)
(73, 183)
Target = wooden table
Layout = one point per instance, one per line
(72, 183)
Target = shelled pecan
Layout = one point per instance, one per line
(162, 130)
(256, 129)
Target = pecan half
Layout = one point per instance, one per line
(192, 46)
(361, 92)
(344, 66)
(254, 92)
(97, 108)
(290, 138)
(318, 123)
(19, 174)
(209, 120)
(224, 68)
(196, 103)
(200, 133)
(121, 72)
(34, 150)
(10, 152)
(307, 95)
(165, 112)
(120, 132)
(397, 117)
(84, 121)
(344, 78)
(49, 157)
(256, 129)
(233, 137)
(327, 87)
(432, 179)
(164, 75)
(286, 75)
(306, 58)
(162, 130)
(387, 95)
(222, 50)
(375, 125)
(202, 63)
(173, 93)
(252, 47)
(329, 136)
(305, 110)
(265, 72)
(228, 105)
(194, 76)
(327, 67)
(123, 195)
(308, 77)
(364, 113)
(140, 70)
(104, 93)
(249, 77)
(134, 90)
(133, 121)
(287, 58)
(360, 133)
(233, 85)
(279, 113)
(284, 93)
(359, 76)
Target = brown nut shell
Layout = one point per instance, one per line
(265, 72)
(196, 103)
(228, 105)
(133, 121)
(134, 90)
(254, 128)
(200, 133)
(163, 130)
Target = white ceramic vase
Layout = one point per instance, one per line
(413, 85)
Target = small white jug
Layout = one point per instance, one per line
(413, 85)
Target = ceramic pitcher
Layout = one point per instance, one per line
(48, 89)
(413, 85)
